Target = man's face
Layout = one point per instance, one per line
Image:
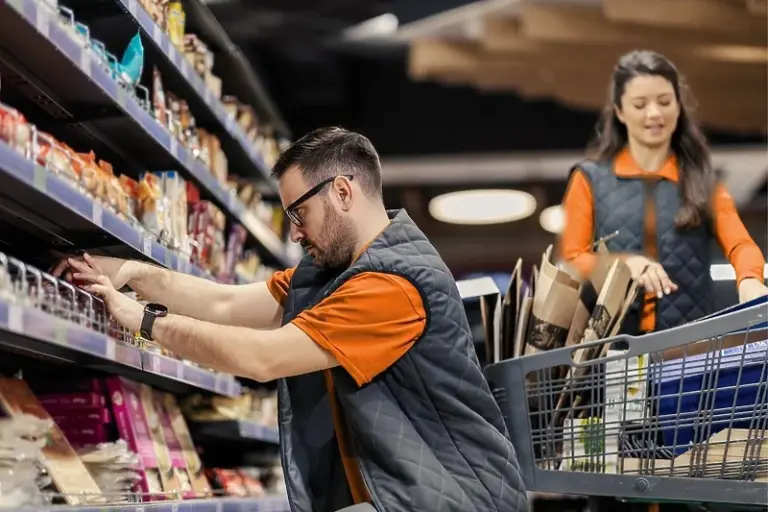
(326, 232)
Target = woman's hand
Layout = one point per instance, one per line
(126, 311)
(650, 275)
(750, 289)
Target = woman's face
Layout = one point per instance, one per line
(649, 110)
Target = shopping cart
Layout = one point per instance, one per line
(679, 415)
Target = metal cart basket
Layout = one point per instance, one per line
(676, 415)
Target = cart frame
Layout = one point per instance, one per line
(513, 393)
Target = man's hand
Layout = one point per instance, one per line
(650, 275)
(126, 311)
(750, 289)
(118, 271)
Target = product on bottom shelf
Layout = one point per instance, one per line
(113, 467)
(22, 471)
(69, 474)
(259, 406)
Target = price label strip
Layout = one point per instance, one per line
(42, 19)
(40, 178)
(146, 245)
(97, 213)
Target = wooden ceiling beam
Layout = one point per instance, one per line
(757, 7)
(587, 24)
(430, 58)
(715, 16)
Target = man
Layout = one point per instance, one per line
(382, 399)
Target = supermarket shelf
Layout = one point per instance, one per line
(113, 27)
(232, 66)
(48, 53)
(57, 200)
(270, 504)
(234, 431)
(33, 332)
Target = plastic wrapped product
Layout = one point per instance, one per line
(14, 130)
(151, 207)
(132, 64)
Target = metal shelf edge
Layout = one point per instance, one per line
(36, 324)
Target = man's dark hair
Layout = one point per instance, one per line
(333, 151)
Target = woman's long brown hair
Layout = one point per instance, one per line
(697, 178)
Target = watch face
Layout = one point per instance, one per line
(156, 309)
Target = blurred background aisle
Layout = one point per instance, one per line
(460, 95)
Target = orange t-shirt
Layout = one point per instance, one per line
(577, 235)
(368, 323)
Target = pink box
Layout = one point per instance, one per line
(60, 401)
(75, 417)
(132, 427)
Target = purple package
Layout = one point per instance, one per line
(133, 428)
(59, 401)
(81, 418)
(84, 436)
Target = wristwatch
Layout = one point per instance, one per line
(152, 311)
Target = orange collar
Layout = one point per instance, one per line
(626, 167)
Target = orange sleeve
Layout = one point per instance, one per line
(738, 246)
(367, 324)
(576, 237)
(279, 283)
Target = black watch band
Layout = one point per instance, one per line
(152, 312)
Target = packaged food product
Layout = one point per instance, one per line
(189, 134)
(130, 188)
(92, 176)
(175, 192)
(213, 83)
(156, 10)
(159, 104)
(204, 153)
(14, 130)
(235, 244)
(130, 67)
(151, 207)
(62, 463)
(52, 155)
(230, 105)
(174, 116)
(175, 22)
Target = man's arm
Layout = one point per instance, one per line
(249, 305)
(261, 355)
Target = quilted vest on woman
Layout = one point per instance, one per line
(428, 434)
(619, 205)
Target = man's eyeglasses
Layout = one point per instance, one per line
(290, 210)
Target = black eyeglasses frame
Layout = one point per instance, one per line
(290, 210)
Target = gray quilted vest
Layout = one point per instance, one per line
(428, 434)
(619, 205)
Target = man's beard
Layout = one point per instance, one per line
(338, 245)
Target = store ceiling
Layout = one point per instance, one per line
(501, 91)
(566, 49)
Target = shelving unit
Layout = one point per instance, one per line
(51, 73)
(74, 93)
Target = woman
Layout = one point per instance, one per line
(649, 177)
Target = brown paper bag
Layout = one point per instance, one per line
(554, 304)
